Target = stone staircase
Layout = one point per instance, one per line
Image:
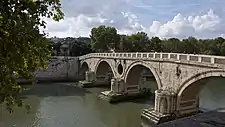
(150, 116)
(154, 117)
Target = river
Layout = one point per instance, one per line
(60, 105)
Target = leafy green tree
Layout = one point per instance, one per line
(104, 38)
(156, 44)
(218, 45)
(139, 42)
(222, 49)
(56, 47)
(22, 48)
(125, 45)
(191, 45)
(173, 45)
(79, 46)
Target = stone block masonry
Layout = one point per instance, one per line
(60, 68)
(178, 78)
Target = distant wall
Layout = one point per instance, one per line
(60, 68)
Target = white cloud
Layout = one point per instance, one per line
(222, 35)
(205, 25)
(132, 25)
(75, 26)
(81, 25)
(182, 26)
(81, 18)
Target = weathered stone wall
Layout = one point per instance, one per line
(178, 77)
(169, 74)
(60, 68)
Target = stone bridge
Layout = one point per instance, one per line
(179, 78)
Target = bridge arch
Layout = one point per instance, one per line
(136, 68)
(188, 93)
(84, 64)
(105, 69)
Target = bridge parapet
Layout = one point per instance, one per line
(196, 58)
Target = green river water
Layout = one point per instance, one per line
(60, 105)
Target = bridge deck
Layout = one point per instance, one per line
(178, 57)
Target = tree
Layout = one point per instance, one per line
(156, 44)
(191, 45)
(222, 49)
(56, 47)
(139, 42)
(22, 48)
(104, 38)
(124, 44)
(79, 46)
(173, 45)
(219, 45)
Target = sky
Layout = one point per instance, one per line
(162, 18)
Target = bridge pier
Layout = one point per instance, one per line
(164, 110)
(117, 85)
(91, 79)
(117, 91)
(89, 76)
(121, 91)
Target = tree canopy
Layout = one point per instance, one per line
(104, 38)
(23, 48)
(140, 42)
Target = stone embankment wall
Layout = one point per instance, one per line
(60, 68)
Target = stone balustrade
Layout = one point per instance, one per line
(210, 59)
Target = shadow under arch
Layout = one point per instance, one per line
(104, 71)
(142, 64)
(188, 93)
(83, 68)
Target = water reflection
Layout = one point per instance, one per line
(60, 105)
(212, 95)
(57, 89)
(20, 118)
(57, 105)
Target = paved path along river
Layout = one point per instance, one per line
(58, 105)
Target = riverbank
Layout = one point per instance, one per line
(46, 80)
